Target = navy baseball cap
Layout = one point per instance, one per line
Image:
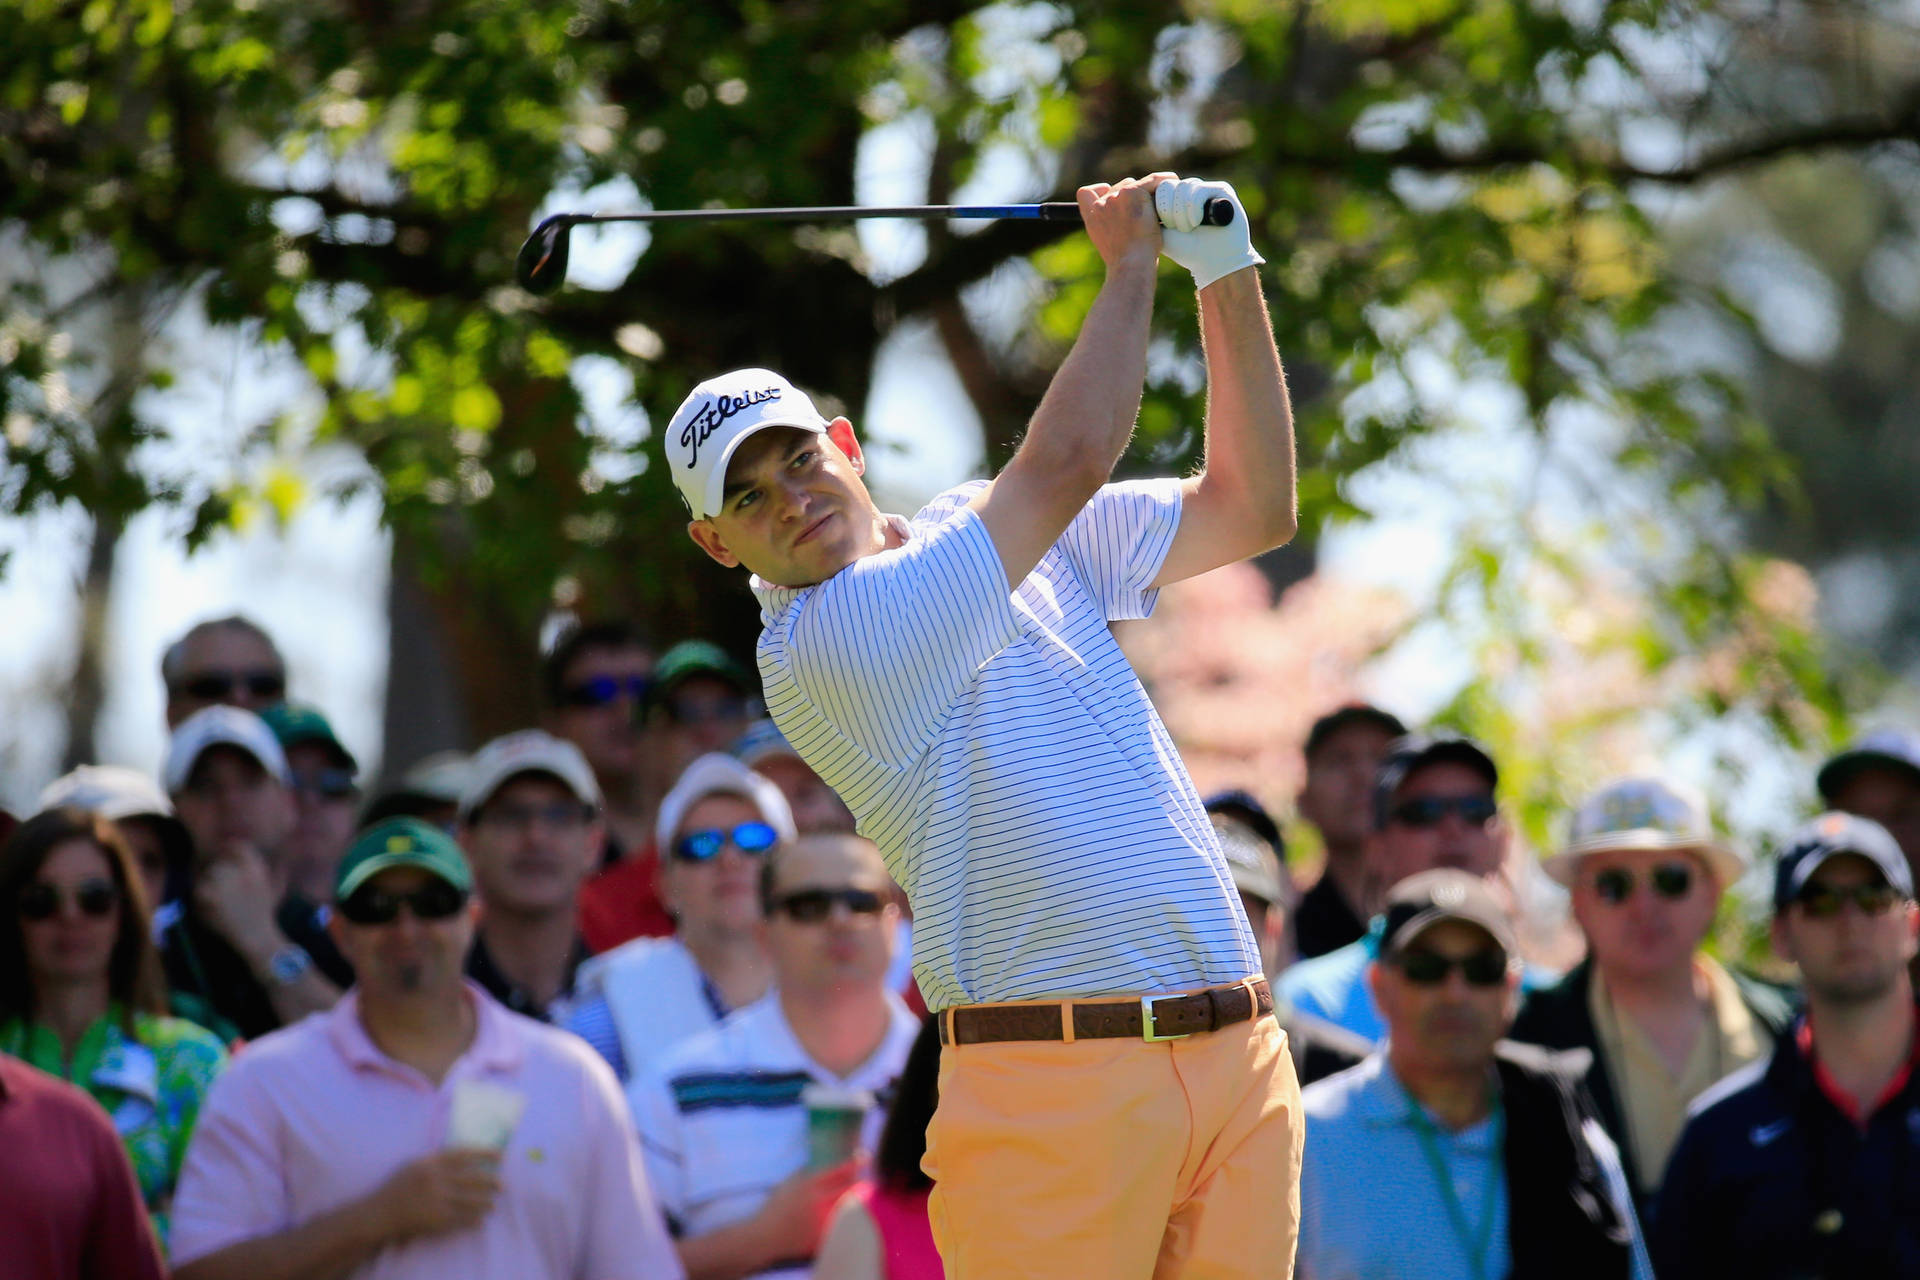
(1248, 812)
(1883, 748)
(1415, 751)
(1351, 714)
(1829, 836)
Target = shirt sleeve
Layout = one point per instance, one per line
(231, 1187)
(1119, 541)
(884, 647)
(626, 1234)
(120, 1243)
(656, 1121)
(1616, 1175)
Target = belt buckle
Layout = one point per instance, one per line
(1148, 1022)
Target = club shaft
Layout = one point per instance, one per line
(1056, 211)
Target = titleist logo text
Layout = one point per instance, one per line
(718, 410)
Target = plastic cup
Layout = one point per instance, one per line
(835, 1118)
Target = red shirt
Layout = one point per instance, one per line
(70, 1208)
(622, 903)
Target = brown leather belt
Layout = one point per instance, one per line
(1148, 1018)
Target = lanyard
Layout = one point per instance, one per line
(1476, 1244)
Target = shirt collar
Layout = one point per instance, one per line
(494, 1046)
(1383, 1102)
(773, 599)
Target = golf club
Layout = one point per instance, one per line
(542, 265)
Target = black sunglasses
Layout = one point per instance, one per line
(1431, 811)
(1824, 901)
(602, 691)
(212, 686)
(41, 901)
(330, 784)
(1484, 968)
(704, 846)
(1670, 880)
(434, 900)
(811, 906)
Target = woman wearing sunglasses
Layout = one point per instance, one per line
(81, 996)
(1662, 1020)
(715, 829)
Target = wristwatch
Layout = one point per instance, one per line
(288, 964)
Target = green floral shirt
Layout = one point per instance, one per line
(152, 1085)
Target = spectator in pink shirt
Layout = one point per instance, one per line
(417, 1129)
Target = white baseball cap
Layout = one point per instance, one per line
(1644, 815)
(222, 726)
(527, 751)
(113, 791)
(718, 773)
(716, 416)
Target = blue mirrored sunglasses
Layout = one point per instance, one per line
(702, 846)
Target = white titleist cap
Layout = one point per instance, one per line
(716, 416)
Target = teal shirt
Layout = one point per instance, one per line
(151, 1084)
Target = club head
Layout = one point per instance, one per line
(542, 265)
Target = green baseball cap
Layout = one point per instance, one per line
(692, 658)
(401, 842)
(296, 722)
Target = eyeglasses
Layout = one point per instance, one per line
(328, 784)
(520, 817)
(1824, 901)
(1670, 880)
(95, 898)
(1431, 811)
(811, 906)
(602, 691)
(1429, 968)
(212, 686)
(703, 846)
(434, 900)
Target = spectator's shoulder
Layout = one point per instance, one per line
(636, 955)
(1344, 1095)
(178, 1041)
(1322, 985)
(1742, 1098)
(286, 1049)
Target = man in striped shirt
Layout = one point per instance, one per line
(1120, 1103)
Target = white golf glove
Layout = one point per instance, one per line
(1208, 252)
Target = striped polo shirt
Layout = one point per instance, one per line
(1001, 752)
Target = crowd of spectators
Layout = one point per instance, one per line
(625, 994)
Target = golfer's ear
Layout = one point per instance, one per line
(840, 431)
(707, 538)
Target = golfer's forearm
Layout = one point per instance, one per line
(1249, 440)
(1086, 417)
(728, 1253)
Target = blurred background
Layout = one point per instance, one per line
(1600, 318)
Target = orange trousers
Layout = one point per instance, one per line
(1112, 1159)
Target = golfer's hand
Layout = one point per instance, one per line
(1211, 253)
(447, 1191)
(1120, 217)
(794, 1216)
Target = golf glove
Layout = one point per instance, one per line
(1208, 252)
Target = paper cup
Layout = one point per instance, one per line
(484, 1115)
(835, 1117)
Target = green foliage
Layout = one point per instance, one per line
(1429, 179)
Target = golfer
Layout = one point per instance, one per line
(1116, 1100)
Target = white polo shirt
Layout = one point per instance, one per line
(720, 1119)
(1001, 752)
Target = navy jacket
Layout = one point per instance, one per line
(1771, 1181)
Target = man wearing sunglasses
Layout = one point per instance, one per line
(1878, 777)
(724, 1117)
(1805, 1164)
(1433, 807)
(1662, 1020)
(596, 680)
(717, 825)
(1448, 1155)
(530, 825)
(418, 1129)
(326, 795)
(230, 661)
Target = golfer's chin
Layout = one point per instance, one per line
(815, 560)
